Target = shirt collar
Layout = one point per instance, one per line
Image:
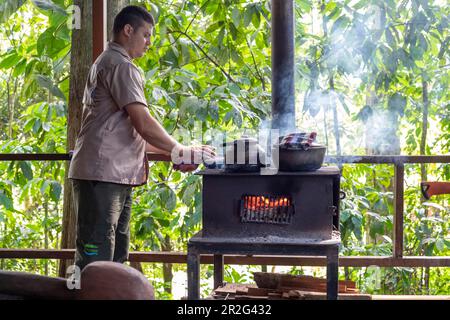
(117, 47)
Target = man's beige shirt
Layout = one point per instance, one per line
(108, 148)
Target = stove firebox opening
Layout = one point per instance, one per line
(266, 209)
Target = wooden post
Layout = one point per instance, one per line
(218, 270)
(80, 62)
(399, 177)
(193, 274)
(98, 27)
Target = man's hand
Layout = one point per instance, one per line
(192, 154)
(191, 157)
(203, 152)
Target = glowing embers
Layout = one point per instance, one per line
(264, 209)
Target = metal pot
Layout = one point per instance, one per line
(302, 155)
(243, 155)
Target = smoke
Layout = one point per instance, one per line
(335, 73)
(381, 133)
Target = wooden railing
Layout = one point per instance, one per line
(396, 260)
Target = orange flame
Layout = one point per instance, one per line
(261, 202)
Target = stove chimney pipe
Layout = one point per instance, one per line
(283, 93)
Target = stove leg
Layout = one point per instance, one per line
(193, 273)
(218, 270)
(332, 273)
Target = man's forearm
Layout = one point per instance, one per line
(150, 129)
(151, 148)
(158, 137)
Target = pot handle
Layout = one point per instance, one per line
(342, 195)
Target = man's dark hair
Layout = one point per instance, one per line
(132, 15)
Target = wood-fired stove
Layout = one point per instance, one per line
(289, 213)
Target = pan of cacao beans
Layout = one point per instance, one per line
(299, 152)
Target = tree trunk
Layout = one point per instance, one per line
(423, 168)
(12, 96)
(167, 267)
(423, 138)
(137, 266)
(113, 8)
(2, 261)
(347, 273)
(80, 62)
(371, 101)
(46, 234)
(335, 119)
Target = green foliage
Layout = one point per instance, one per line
(33, 68)
(8, 7)
(209, 67)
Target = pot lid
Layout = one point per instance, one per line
(243, 139)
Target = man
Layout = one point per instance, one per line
(116, 132)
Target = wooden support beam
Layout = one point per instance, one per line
(34, 156)
(98, 27)
(399, 180)
(387, 159)
(181, 257)
(63, 157)
(329, 159)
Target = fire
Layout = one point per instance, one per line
(261, 202)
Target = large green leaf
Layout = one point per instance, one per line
(6, 201)
(26, 170)
(340, 24)
(47, 83)
(55, 191)
(49, 44)
(397, 103)
(48, 5)
(188, 195)
(8, 7)
(9, 60)
(20, 67)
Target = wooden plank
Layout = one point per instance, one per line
(232, 288)
(285, 295)
(158, 157)
(241, 291)
(36, 254)
(399, 179)
(180, 257)
(387, 159)
(323, 289)
(258, 291)
(359, 296)
(257, 294)
(311, 295)
(328, 159)
(34, 157)
(64, 157)
(344, 261)
(409, 297)
(247, 297)
(348, 283)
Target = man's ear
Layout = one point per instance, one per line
(127, 30)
